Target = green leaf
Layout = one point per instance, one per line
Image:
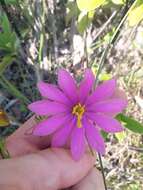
(5, 23)
(104, 135)
(120, 136)
(136, 14)
(131, 123)
(13, 90)
(72, 11)
(6, 61)
(8, 39)
(11, 2)
(105, 76)
(88, 5)
(84, 20)
(118, 2)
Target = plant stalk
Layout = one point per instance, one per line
(102, 171)
(101, 64)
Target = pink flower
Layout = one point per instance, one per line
(77, 112)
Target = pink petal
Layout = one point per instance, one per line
(60, 137)
(94, 138)
(50, 125)
(102, 92)
(107, 123)
(86, 85)
(52, 92)
(45, 107)
(78, 143)
(112, 106)
(67, 84)
(119, 93)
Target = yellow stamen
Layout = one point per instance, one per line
(78, 110)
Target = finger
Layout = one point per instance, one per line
(55, 168)
(25, 131)
(92, 181)
(22, 141)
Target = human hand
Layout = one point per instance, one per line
(35, 166)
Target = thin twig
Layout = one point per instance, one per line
(85, 45)
(137, 149)
(86, 50)
(101, 63)
(90, 148)
(104, 26)
(110, 45)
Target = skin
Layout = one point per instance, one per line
(35, 166)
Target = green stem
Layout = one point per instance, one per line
(109, 45)
(13, 90)
(6, 61)
(102, 170)
(101, 64)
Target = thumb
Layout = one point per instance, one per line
(53, 169)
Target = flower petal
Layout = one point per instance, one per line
(86, 85)
(68, 85)
(107, 123)
(102, 92)
(45, 107)
(50, 125)
(59, 139)
(78, 143)
(52, 93)
(94, 138)
(112, 106)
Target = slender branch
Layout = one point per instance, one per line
(90, 148)
(122, 22)
(137, 149)
(85, 49)
(85, 45)
(105, 25)
(101, 63)
(110, 44)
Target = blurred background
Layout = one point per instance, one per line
(37, 37)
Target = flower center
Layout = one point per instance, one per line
(78, 110)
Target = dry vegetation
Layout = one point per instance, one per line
(63, 46)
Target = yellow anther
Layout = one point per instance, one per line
(78, 110)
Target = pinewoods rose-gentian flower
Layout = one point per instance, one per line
(77, 112)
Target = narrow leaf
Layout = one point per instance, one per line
(131, 123)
